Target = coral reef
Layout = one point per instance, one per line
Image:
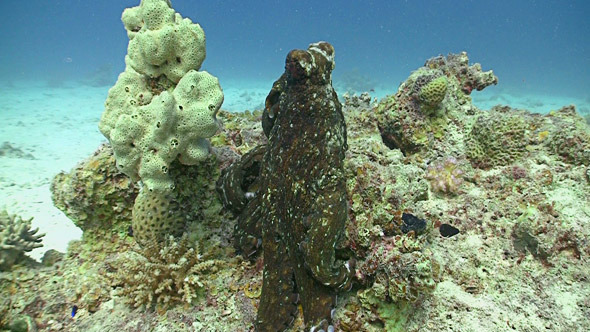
(303, 193)
(442, 241)
(16, 238)
(99, 199)
(469, 77)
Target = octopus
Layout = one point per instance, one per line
(239, 190)
(303, 204)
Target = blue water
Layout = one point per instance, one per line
(540, 47)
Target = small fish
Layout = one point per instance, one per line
(447, 230)
(412, 223)
(74, 310)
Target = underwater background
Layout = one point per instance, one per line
(449, 208)
(534, 47)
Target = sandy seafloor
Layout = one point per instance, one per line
(46, 130)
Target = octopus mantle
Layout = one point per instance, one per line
(304, 206)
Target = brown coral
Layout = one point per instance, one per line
(162, 276)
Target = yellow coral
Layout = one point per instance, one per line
(543, 135)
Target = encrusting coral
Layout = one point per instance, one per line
(16, 238)
(497, 138)
(434, 92)
(95, 195)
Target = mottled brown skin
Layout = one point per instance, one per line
(303, 193)
(238, 187)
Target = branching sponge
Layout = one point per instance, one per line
(161, 107)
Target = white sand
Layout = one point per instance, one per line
(58, 128)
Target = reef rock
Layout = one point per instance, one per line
(423, 111)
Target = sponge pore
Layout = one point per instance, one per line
(147, 138)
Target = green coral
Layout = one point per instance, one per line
(434, 92)
(497, 138)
